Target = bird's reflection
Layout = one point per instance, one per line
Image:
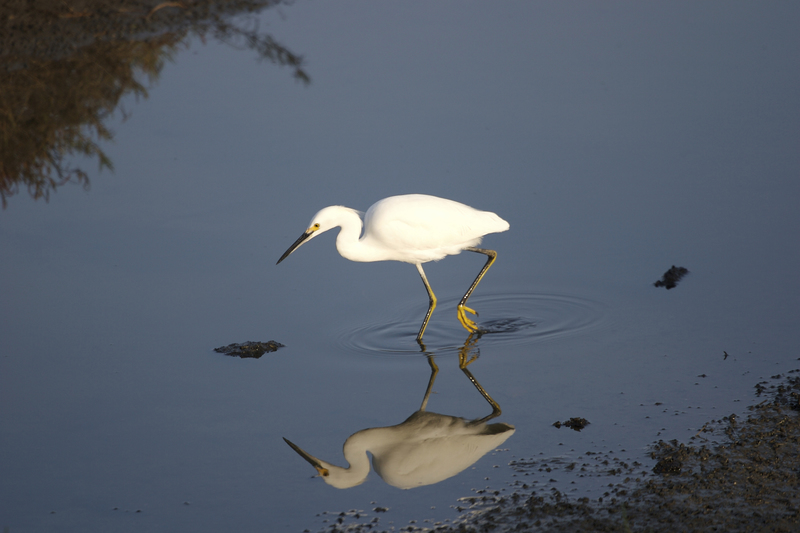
(425, 449)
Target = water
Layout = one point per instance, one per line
(617, 140)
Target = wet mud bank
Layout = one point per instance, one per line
(739, 473)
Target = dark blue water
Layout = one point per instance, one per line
(617, 139)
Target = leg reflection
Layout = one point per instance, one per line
(467, 354)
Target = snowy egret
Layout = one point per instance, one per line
(424, 449)
(412, 228)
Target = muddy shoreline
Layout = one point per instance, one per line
(738, 474)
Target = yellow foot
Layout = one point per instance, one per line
(467, 322)
(469, 352)
(465, 358)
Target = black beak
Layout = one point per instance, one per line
(295, 246)
(321, 470)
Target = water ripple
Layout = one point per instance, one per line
(506, 319)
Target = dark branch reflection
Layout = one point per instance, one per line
(424, 449)
(65, 66)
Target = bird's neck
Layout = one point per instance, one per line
(347, 243)
(355, 453)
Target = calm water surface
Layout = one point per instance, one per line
(617, 139)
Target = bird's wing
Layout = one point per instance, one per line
(415, 222)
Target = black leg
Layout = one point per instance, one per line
(431, 303)
(468, 323)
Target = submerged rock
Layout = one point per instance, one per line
(671, 277)
(576, 423)
(249, 349)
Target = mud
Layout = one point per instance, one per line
(252, 350)
(735, 476)
(577, 423)
(671, 277)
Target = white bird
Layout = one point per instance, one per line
(425, 449)
(412, 228)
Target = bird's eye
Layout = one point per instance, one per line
(315, 227)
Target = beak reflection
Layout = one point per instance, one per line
(308, 457)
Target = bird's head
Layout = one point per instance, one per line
(326, 219)
(335, 476)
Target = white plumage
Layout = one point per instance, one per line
(412, 228)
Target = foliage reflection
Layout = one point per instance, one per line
(64, 69)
